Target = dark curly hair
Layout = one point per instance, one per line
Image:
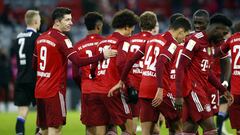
(222, 19)
(124, 18)
(91, 19)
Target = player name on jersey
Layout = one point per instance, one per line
(43, 74)
(138, 71)
(48, 42)
(149, 73)
(21, 35)
(87, 45)
(236, 72)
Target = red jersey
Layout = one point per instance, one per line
(52, 50)
(148, 85)
(174, 66)
(108, 71)
(169, 52)
(233, 44)
(198, 50)
(216, 69)
(136, 41)
(86, 48)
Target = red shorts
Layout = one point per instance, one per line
(197, 106)
(107, 110)
(84, 108)
(213, 96)
(234, 111)
(51, 112)
(150, 113)
(135, 108)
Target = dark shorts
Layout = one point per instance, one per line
(51, 112)
(24, 94)
(234, 111)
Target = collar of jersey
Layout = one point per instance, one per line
(29, 29)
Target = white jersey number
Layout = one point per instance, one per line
(148, 60)
(89, 53)
(43, 57)
(106, 62)
(22, 56)
(236, 49)
(135, 48)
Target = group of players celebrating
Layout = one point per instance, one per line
(125, 77)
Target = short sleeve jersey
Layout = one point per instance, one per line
(136, 41)
(52, 51)
(87, 47)
(148, 85)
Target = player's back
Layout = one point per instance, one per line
(234, 45)
(170, 53)
(174, 67)
(24, 48)
(87, 47)
(136, 41)
(107, 72)
(148, 86)
(51, 64)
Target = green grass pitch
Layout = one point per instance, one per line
(73, 126)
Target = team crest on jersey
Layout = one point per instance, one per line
(207, 107)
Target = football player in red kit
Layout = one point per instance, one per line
(150, 103)
(83, 76)
(113, 110)
(232, 44)
(194, 68)
(52, 51)
(148, 21)
(174, 36)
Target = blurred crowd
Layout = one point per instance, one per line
(12, 22)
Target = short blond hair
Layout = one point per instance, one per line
(29, 16)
